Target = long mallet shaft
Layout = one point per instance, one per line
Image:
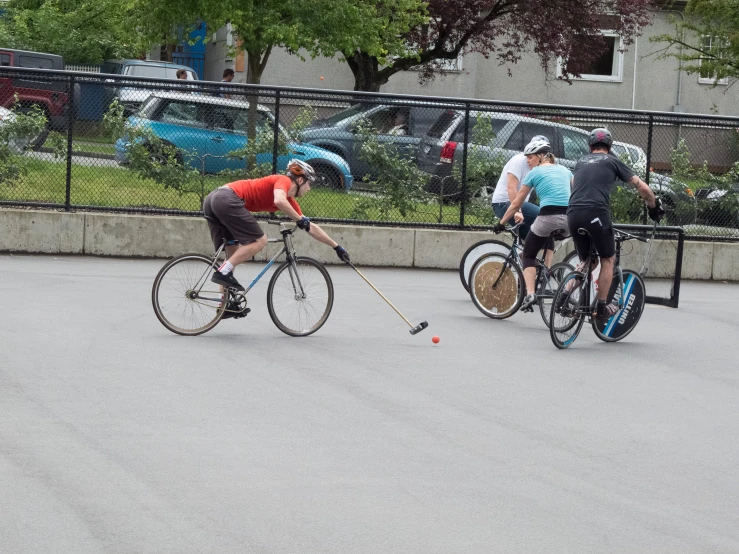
(417, 329)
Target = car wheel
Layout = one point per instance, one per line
(327, 176)
(677, 213)
(159, 157)
(482, 195)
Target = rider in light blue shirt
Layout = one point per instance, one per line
(552, 183)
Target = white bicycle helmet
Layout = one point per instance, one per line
(537, 147)
(299, 168)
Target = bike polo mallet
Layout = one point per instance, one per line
(414, 330)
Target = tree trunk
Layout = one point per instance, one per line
(254, 77)
(365, 68)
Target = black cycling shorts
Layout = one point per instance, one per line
(598, 224)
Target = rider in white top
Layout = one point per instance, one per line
(509, 183)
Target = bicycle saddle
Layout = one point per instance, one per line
(559, 234)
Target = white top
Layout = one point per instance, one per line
(517, 167)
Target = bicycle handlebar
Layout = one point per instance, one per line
(622, 236)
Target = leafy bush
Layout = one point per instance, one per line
(483, 166)
(15, 133)
(152, 158)
(399, 184)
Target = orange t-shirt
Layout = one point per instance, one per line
(259, 194)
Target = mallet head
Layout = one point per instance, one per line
(418, 328)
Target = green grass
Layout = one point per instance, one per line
(98, 148)
(117, 187)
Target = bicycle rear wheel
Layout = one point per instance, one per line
(184, 299)
(623, 322)
(547, 286)
(565, 321)
(300, 297)
(474, 253)
(496, 286)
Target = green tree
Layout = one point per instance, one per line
(84, 31)
(706, 39)
(565, 29)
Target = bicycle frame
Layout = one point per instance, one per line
(592, 255)
(287, 248)
(514, 254)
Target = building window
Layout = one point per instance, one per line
(710, 44)
(609, 66)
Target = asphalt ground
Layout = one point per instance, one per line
(118, 436)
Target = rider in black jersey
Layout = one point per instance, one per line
(589, 208)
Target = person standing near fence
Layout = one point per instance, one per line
(228, 76)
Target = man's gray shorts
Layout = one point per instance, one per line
(545, 225)
(241, 226)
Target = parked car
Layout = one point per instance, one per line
(632, 155)
(131, 98)
(443, 146)
(51, 97)
(206, 128)
(719, 206)
(338, 133)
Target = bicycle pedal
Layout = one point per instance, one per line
(529, 309)
(242, 314)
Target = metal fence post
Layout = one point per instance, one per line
(464, 163)
(649, 147)
(275, 143)
(71, 114)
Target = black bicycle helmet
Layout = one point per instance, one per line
(600, 136)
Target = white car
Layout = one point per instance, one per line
(635, 156)
(16, 144)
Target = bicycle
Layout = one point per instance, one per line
(572, 304)
(498, 288)
(300, 294)
(488, 246)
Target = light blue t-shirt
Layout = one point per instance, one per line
(551, 183)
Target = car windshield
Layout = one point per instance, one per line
(344, 114)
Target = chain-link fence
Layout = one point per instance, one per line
(110, 142)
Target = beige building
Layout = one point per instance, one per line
(632, 78)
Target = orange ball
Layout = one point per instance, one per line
(435, 339)
(321, 78)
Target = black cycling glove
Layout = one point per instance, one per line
(498, 228)
(658, 212)
(304, 224)
(342, 253)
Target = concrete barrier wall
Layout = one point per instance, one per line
(146, 236)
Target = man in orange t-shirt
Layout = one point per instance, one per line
(232, 205)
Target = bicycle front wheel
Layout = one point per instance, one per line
(623, 322)
(300, 297)
(474, 253)
(184, 299)
(565, 317)
(547, 287)
(496, 286)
